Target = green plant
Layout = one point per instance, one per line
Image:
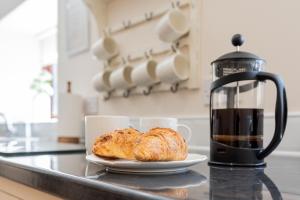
(43, 83)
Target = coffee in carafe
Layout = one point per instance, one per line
(236, 109)
(238, 127)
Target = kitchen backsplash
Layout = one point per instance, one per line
(198, 124)
(45, 130)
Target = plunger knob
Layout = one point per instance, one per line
(237, 40)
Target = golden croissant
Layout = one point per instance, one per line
(160, 144)
(116, 144)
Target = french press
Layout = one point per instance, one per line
(236, 109)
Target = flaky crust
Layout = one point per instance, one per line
(117, 144)
(160, 144)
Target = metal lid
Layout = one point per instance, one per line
(237, 41)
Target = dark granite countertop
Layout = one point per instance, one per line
(70, 176)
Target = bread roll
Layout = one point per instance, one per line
(117, 144)
(160, 144)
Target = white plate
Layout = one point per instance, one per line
(138, 167)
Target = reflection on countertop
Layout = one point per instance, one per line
(240, 184)
(279, 180)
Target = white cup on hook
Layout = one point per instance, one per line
(173, 69)
(173, 25)
(121, 78)
(145, 73)
(105, 48)
(101, 81)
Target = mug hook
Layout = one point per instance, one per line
(126, 93)
(148, 54)
(148, 16)
(175, 47)
(126, 24)
(174, 87)
(108, 95)
(148, 91)
(175, 4)
(125, 60)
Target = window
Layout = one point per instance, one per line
(28, 58)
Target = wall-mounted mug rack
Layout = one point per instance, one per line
(120, 76)
(164, 52)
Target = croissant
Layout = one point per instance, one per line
(117, 144)
(160, 144)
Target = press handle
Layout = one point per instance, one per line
(280, 112)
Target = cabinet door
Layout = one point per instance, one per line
(10, 190)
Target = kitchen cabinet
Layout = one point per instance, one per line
(10, 190)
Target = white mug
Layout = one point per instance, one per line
(105, 48)
(95, 125)
(173, 69)
(172, 26)
(147, 123)
(101, 81)
(145, 73)
(121, 78)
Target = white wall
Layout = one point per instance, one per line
(78, 69)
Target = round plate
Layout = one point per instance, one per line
(138, 167)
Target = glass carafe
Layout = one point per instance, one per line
(237, 108)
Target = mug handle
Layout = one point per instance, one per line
(188, 134)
